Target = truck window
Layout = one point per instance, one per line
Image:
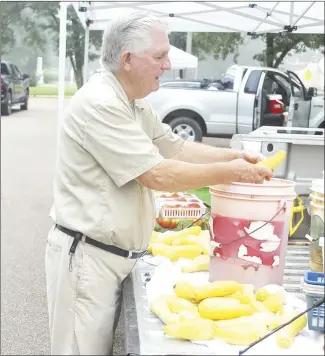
(252, 82)
(13, 72)
(17, 71)
(4, 69)
(297, 89)
(276, 83)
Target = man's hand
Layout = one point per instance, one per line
(251, 157)
(249, 173)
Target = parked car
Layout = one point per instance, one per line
(14, 88)
(239, 103)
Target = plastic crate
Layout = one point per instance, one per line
(175, 205)
(314, 278)
(182, 213)
(313, 287)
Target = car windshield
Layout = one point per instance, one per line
(4, 69)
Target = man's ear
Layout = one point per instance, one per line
(126, 61)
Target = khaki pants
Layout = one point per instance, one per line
(83, 304)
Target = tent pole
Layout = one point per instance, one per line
(189, 38)
(62, 58)
(292, 5)
(195, 73)
(86, 54)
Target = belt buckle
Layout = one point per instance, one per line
(140, 254)
(130, 254)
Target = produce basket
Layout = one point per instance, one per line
(313, 287)
(179, 206)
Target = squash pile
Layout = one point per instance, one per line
(191, 243)
(227, 310)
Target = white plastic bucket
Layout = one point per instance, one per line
(317, 188)
(316, 211)
(239, 253)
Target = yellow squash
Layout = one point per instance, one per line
(169, 236)
(273, 161)
(193, 329)
(176, 252)
(187, 315)
(216, 289)
(274, 303)
(183, 289)
(241, 297)
(259, 307)
(202, 241)
(160, 308)
(223, 308)
(285, 336)
(198, 264)
(177, 304)
(262, 294)
(267, 320)
(160, 249)
(242, 335)
(188, 251)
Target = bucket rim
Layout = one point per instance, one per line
(317, 205)
(256, 197)
(317, 186)
(287, 184)
(314, 197)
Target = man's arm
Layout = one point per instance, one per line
(175, 176)
(193, 152)
(171, 175)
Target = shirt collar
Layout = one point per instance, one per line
(112, 79)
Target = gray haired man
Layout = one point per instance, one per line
(113, 152)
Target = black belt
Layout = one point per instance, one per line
(109, 248)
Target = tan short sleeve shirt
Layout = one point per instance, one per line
(105, 143)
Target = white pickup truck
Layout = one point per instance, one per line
(239, 105)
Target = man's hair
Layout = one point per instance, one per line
(131, 33)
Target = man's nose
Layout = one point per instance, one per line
(166, 65)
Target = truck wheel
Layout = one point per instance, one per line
(187, 128)
(321, 126)
(25, 105)
(6, 107)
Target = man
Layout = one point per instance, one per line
(113, 151)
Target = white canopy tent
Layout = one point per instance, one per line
(183, 16)
(213, 16)
(181, 60)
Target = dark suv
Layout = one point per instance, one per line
(14, 88)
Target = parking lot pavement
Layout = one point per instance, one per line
(28, 148)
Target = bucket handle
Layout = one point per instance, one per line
(283, 207)
(300, 208)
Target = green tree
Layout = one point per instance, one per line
(75, 36)
(278, 46)
(15, 16)
(41, 22)
(218, 45)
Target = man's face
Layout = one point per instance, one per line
(145, 70)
